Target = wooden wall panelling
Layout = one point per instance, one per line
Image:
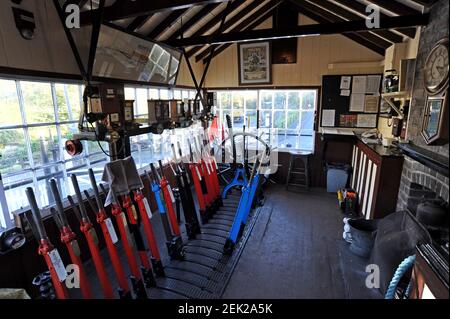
(314, 54)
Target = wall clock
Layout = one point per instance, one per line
(435, 115)
(436, 68)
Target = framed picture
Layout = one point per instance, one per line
(255, 63)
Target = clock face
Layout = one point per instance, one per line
(436, 68)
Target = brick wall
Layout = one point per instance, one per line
(418, 182)
(432, 33)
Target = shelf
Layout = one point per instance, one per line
(405, 95)
(400, 95)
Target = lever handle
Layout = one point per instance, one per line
(58, 201)
(76, 187)
(95, 188)
(36, 213)
(74, 207)
(161, 168)
(155, 172)
(174, 153)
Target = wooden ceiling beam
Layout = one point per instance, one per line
(193, 20)
(343, 13)
(211, 23)
(166, 23)
(138, 23)
(236, 18)
(249, 23)
(395, 7)
(361, 9)
(129, 9)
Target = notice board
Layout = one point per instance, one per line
(350, 101)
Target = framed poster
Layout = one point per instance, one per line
(255, 63)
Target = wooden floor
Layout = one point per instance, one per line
(297, 251)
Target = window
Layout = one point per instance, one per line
(286, 114)
(36, 119)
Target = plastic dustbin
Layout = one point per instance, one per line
(337, 176)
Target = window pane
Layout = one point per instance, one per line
(307, 123)
(224, 117)
(309, 100)
(192, 94)
(293, 120)
(44, 144)
(279, 119)
(129, 93)
(141, 104)
(164, 94)
(185, 94)
(13, 151)
(238, 100)
(15, 186)
(250, 100)
(238, 118)
(68, 101)
(280, 100)
(94, 147)
(265, 120)
(9, 109)
(266, 100)
(38, 102)
(153, 93)
(293, 100)
(225, 100)
(177, 94)
(306, 142)
(252, 116)
(43, 177)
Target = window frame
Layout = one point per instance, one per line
(259, 110)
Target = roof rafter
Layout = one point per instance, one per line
(193, 20)
(211, 23)
(249, 23)
(236, 18)
(341, 12)
(395, 7)
(128, 9)
(323, 16)
(361, 9)
(166, 23)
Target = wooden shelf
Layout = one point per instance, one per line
(397, 95)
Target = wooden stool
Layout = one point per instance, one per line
(298, 176)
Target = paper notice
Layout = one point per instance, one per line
(357, 102)
(328, 117)
(373, 84)
(367, 120)
(371, 104)
(111, 230)
(345, 92)
(58, 264)
(359, 84)
(345, 82)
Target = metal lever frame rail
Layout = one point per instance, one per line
(244, 208)
(136, 277)
(45, 246)
(174, 243)
(68, 238)
(156, 263)
(192, 223)
(103, 220)
(91, 237)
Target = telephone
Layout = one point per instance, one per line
(373, 133)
